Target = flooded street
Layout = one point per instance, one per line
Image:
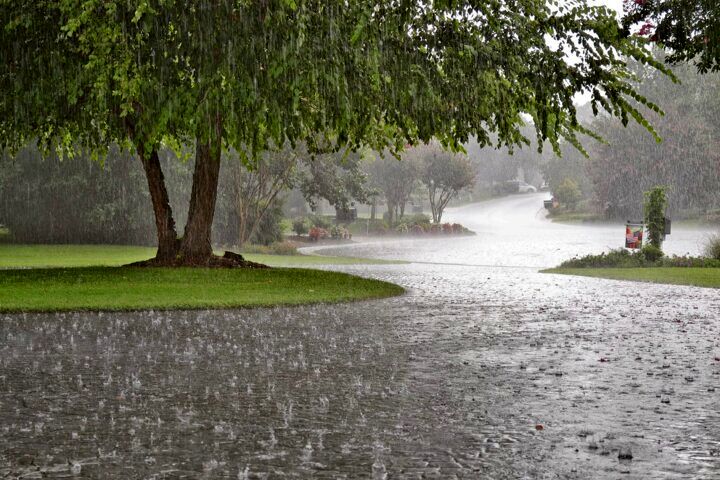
(484, 369)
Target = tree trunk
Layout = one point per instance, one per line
(164, 222)
(196, 248)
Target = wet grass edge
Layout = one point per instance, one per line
(16, 256)
(690, 276)
(30, 284)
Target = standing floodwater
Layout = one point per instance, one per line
(485, 369)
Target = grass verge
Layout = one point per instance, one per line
(700, 277)
(576, 217)
(127, 288)
(46, 256)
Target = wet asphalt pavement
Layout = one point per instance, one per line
(485, 369)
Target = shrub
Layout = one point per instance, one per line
(277, 248)
(685, 261)
(655, 203)
(268, 230)
(614, 258)
(568, 193)
(417, 229)
(402, 228)
(447, 228)
(317, 233)
(284, 248)
(712, 247)
(652, 253)
(300, 226)
(339, 232)
(416, 219)
(320, 221)
(622, 258)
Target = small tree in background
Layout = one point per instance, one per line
(655, 204)
(300, 226)
(395, 179)
(444, 174)
(568, 193)
(712, 247)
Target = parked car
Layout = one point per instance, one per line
(514, 186)
(526, 188)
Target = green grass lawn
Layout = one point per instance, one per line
(128, 288)
(41, 256)
(700, 277)
(43, 278)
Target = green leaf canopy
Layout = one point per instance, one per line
(364, 72)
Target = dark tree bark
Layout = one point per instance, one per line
(391, 212)
(165, 224)
(196, 247)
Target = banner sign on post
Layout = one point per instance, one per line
(634, 235)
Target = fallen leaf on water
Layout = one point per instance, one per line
(539, 427)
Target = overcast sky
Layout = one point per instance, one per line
(614, 4)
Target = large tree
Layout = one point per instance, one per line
(250, 74)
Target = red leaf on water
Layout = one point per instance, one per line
(539, 427)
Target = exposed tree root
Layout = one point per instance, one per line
(228, 260)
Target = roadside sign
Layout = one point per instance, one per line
(634, 235)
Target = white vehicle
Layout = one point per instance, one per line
(526, 188)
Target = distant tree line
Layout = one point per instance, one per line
(79, 200)
(45, 200)
(615, 174)
(687, 159)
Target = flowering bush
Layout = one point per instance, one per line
(417, 229)
(317, 233)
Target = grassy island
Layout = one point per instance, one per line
(77, 278)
